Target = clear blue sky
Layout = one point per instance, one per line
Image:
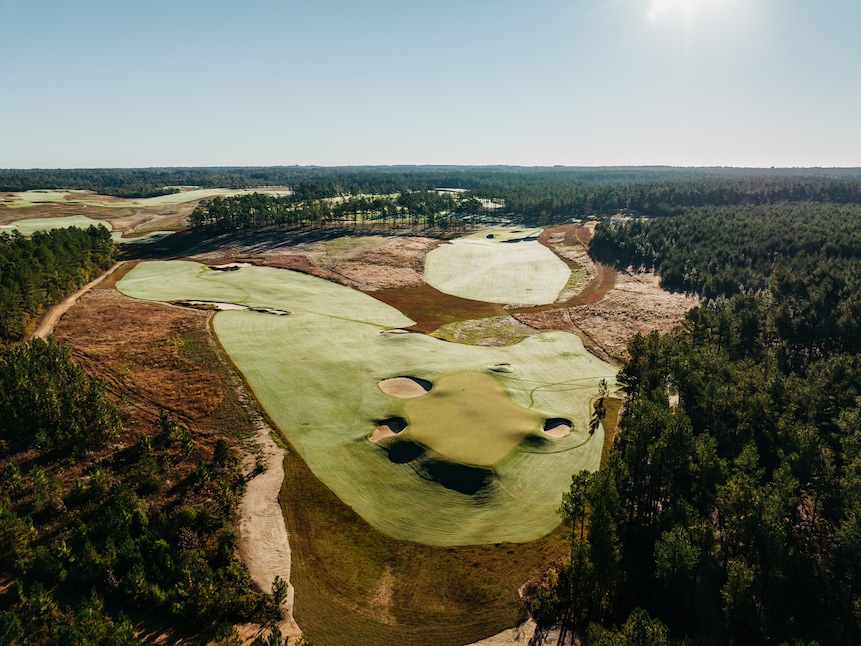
(95, 83)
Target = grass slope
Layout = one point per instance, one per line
(316, 373)
(497, 271)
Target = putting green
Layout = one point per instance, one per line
(468, 418)
(502, 269)
(316, 373)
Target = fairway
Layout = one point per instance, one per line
(317, 373)
(25, 199)
(498, 266)
(30, 226)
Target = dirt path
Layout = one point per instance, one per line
(54, 314)
(264, 545)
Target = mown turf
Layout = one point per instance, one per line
(357, 586)
(469, 419)
(316, 373)
(30, 226)
(497, 271)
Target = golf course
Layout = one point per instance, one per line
(481, 448)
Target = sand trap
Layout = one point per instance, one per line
(388, 428)
(396, 330)
(557, 427)
(211, 305)
(405, 387)
(230, 266)
(501, 367)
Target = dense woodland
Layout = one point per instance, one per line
(535, 194)
(425, 210)
(734, 514)
(39, 271)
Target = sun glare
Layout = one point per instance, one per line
(686, 8)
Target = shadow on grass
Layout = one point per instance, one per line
(457, 477)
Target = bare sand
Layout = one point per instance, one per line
(264, 544)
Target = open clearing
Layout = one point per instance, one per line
(316, 372)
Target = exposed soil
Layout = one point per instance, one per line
(636, 304)
(46, 325)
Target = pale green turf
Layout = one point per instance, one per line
(32, 198)
(494, 271)
(504, 234)
(468, 418)
(316, 373)
(29, 227)
(257, 287)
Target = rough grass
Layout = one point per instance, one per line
(495, 330)
(355, 585)
(495, 271)
(316, 373)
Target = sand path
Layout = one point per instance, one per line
(54, 314)
(264, 544)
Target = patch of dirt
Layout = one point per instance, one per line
(381, 603)
(365, 262)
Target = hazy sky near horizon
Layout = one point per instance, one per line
(97, 83)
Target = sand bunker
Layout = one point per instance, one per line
(501, 367)
(211, 305)
(230, 266)
(405, 387)
(557, 427)
(388, 428)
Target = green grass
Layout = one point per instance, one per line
(340, 565)
(494, 330)
(257, 287)
(29, 227)
(34, 198)
(468, 418)
(316, 373)
(25, 199)
(493, 271)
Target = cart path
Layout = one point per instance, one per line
(47, 325)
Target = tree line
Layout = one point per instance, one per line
(538, 194)
(728, 509)
(427, 210)
(41, 270)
